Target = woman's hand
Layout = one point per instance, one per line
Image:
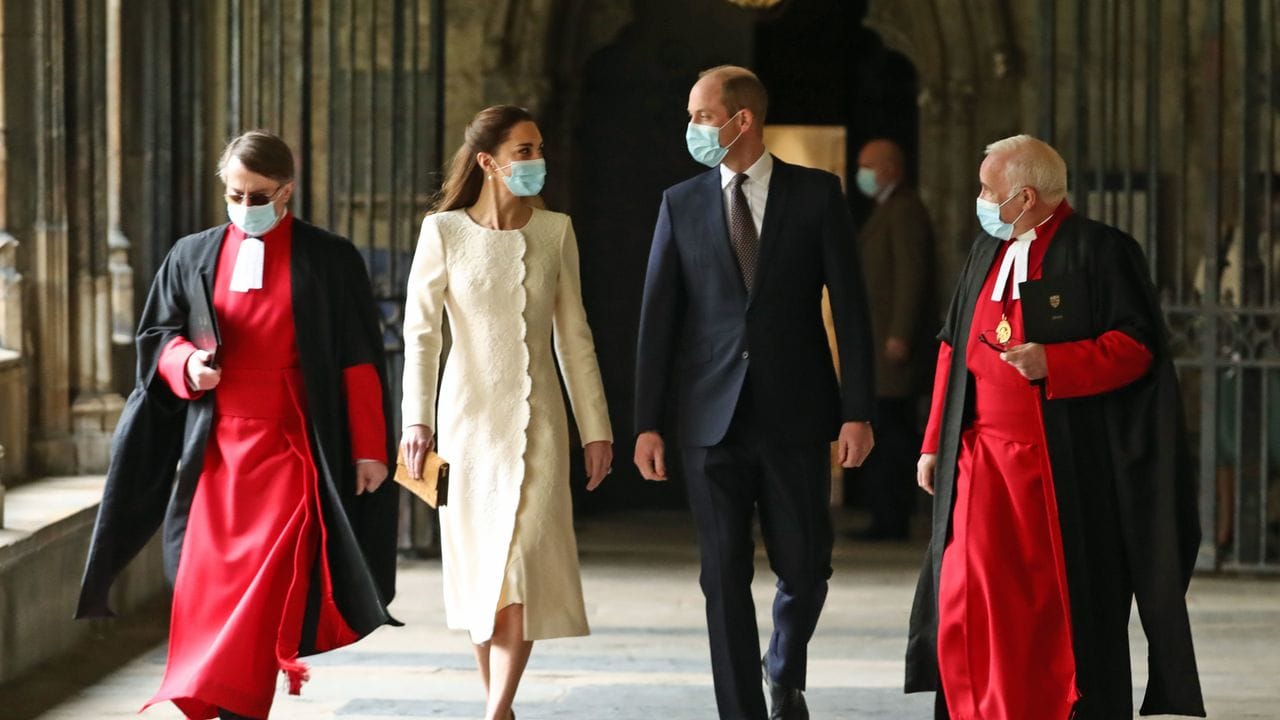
(415, 443)
(599, 455)
(369, 475)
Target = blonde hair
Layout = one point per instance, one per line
(1031, 162)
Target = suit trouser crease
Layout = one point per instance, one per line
(789, 484)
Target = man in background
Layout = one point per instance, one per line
(897, 257)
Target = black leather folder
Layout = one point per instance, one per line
(1056, 309)
(202, 320)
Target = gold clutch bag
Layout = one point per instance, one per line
(433, 486)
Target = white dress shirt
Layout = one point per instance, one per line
(883, 195)
(755, 188)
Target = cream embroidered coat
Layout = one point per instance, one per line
(507, 530)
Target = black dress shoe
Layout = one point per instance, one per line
(784, 703)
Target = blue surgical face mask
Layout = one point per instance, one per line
(253, 220)
(866, 182)
(704, 142)
(526, 178)
(989, 217)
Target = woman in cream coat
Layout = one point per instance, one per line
(507, 276)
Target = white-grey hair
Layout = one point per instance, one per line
(1031, 162)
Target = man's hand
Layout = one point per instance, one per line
(651, 456)
(369, 475)
(200, 376)
(599, 459)
(415, 443)
(856, 441)
(897, 350)
(1028, 359)
(924, 471)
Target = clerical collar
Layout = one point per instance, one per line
(246, 274)
(1015, 261)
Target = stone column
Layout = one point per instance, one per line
(118, 267)
(10, 284)
(13, 385)
(52, 447)
(1, 486)
(103, 275)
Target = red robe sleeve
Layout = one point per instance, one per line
(364, 413)
(1095, 366)
(934, 429)
(173, 367)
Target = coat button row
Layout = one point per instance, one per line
(745, 355)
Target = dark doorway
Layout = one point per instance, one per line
(822, 68)
(845, 76)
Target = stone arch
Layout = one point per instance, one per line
(966, 83)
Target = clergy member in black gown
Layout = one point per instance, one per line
(279, 532)
(1056, 455)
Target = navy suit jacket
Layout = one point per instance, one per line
(700, 329)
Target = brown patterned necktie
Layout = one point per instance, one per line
(742, 232)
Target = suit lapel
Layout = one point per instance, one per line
(774, 210)
(716, 233)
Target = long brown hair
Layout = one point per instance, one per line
(486, 131)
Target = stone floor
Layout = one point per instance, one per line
(647, 657)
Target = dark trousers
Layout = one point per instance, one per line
(888, 477)
(790, 486)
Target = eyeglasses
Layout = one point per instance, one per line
(996, 344)
(255, 198)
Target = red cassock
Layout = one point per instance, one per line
(254, 532)
(1004, 618)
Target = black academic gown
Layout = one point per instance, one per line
(1124, 482)
(160, 437)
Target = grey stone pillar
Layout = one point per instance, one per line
(53, 451)
(103, 274)
(1, 486)
(118, 267)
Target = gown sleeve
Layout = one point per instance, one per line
(367, 424)
(1094, 366)
(361, 356)
(576, 350)
(172, 367)
(934, 429)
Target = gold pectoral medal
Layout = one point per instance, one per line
(1004, 331)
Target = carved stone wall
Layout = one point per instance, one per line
(56, 291)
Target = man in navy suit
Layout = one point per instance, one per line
(732, 317)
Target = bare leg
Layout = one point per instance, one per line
(508, 655)
(482, 662)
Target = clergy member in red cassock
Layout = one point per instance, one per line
(279, 537)
(1062, 489)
